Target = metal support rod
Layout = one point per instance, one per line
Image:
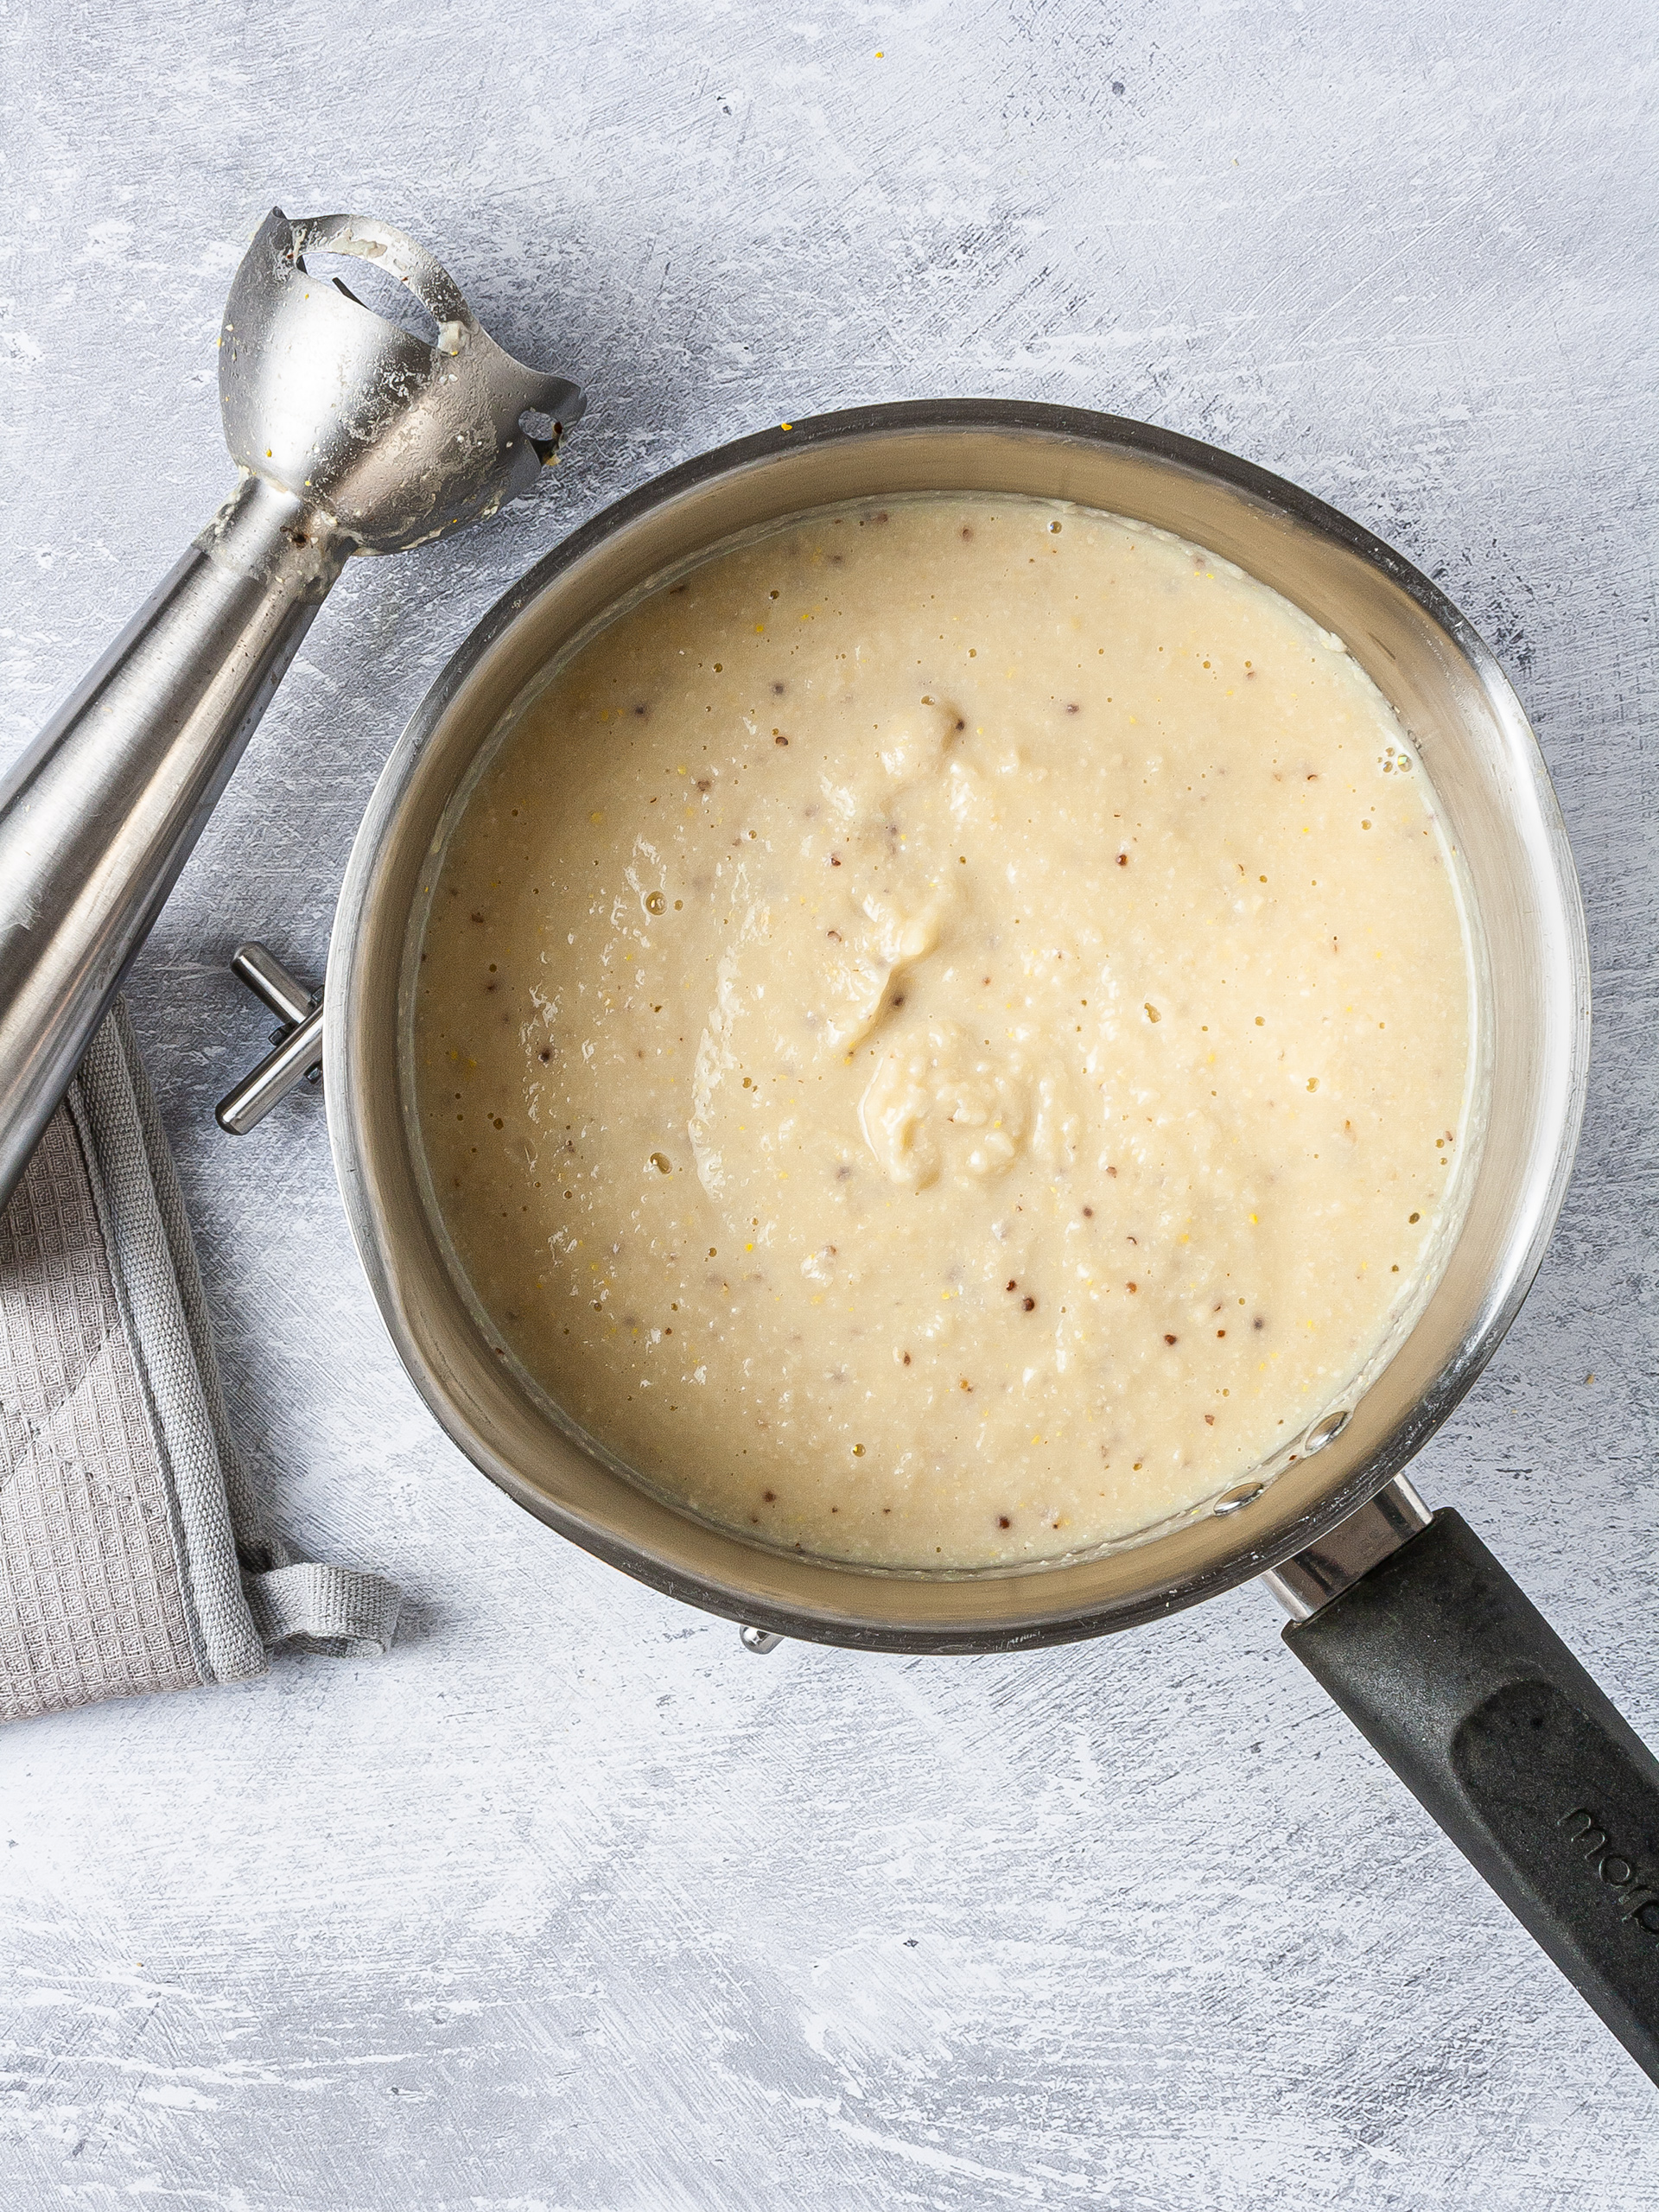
(300, 1052)
(266, 978)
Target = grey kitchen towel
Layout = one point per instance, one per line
(133, 1552)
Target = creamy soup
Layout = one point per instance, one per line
(941, 1035)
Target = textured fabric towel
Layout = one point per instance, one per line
(134, 1555)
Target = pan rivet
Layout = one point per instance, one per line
(1322, 1431)
(758, 1639)
(1230, 1501)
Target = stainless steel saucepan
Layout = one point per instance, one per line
(1407, 1618)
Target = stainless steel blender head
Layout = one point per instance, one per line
(403, 423)
(366, 413)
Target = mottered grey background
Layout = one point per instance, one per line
(569, 1905)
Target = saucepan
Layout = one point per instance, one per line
(1407, 1618)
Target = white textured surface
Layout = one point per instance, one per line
(571, 1906)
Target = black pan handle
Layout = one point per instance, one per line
(1461, 1684)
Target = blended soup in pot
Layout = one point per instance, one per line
(941, 1035)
